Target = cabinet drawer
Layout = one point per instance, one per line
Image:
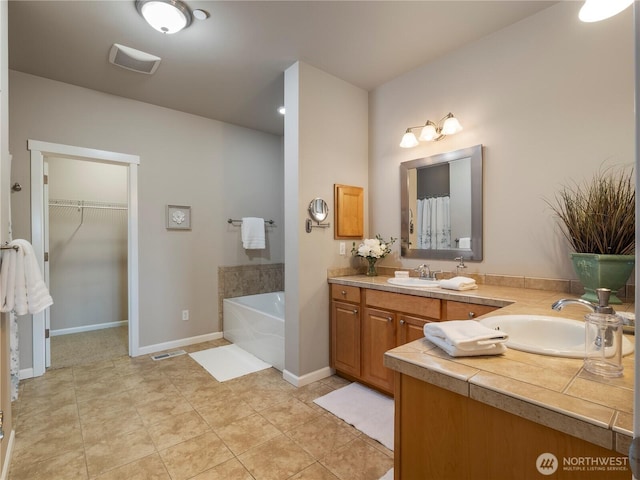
(465, 311)
(345, 293)
(425, 307)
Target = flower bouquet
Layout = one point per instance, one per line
(373, 249)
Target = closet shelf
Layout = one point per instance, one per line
(86, 204)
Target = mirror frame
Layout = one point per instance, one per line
(318, 210)
(475, 254)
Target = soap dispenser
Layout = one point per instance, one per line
(603, 338)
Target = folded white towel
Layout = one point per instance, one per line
(23, 289)
(464, 242)
(461, 338)
(459, 283)
(252, 231)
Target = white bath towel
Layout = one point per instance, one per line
(253, 236)
(461, 338)
(459, 283)
(22, 287)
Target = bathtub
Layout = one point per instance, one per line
(255, 323)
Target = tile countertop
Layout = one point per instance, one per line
(551, 391)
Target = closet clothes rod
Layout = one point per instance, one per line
(239, 222)
(81, 204)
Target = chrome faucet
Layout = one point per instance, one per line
(423, 270)
(602, 307)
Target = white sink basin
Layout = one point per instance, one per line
(558, 337)
(413, 282)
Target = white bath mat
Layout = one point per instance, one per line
(388, 475)
(367, 410)
(228, 362)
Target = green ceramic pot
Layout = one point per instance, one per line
(602, 271)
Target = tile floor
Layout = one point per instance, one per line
(135, 418)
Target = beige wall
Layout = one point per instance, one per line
(219, 169)
(550, 98)
(325, 143)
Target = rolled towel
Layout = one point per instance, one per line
(459, 283)
(462, 338)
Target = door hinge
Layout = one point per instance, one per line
(46, 333)
(46, 256)
(46, 180)
(1, 424)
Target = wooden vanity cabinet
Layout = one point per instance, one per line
(452, 310)
(378, 335)
(346, 329)
(365, 323)
(389, 320)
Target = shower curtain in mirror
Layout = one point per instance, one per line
(433, 223)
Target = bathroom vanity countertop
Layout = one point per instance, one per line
(555, 392)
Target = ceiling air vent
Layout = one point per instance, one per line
(132, 59)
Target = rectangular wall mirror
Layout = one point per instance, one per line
(441, 206)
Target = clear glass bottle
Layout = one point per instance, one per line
(603, 344)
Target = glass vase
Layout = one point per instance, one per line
(371, 269)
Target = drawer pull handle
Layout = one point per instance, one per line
(402, 322)
(355, 312)
(389, 319)
(472, 314)
(343, 292)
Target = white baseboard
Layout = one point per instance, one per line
(183, 342)
(25, 373)
(307, 378)
(87, 328)
(7, 458)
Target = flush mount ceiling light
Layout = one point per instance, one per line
(166, 16)
(431, 131)
(596, 10)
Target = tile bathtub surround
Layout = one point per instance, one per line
(241, 280)
(136, 418)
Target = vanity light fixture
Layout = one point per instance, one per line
(431, 131)
(596, 10)
(166, 16)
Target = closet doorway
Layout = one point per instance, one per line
(87, 230)
(84, 233)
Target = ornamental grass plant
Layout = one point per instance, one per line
(598, 215)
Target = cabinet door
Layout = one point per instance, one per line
(410, 328)
(345, 337)
(465, 311)
(378, 336)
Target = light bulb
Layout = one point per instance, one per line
(164, 17)
(451, 125)
(596, 10)
(409, 140)
(428, 133)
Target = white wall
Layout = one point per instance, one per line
(550, 98)
(219, 169)
(87, 247)
(325, 143)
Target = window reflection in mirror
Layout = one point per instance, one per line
(441, 205)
